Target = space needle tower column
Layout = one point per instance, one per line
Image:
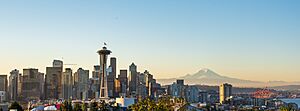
(104, 52)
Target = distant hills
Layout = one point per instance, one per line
(209, 77)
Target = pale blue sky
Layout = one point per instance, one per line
(247, 39)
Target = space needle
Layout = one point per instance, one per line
(104, 52)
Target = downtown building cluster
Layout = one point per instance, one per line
(66, 84)
(194, 94)
(62, 84)
(222, 98)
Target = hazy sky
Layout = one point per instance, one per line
(247, 39)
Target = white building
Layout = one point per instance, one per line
(124, 102)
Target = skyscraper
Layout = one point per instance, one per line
(3, 87)
(96, 72)
(104, 52)
(133, 79)
(13, 84)
(180, 81)
(141, 89)
(111, 77)
(148, 78)
(51, 82)
(149, 82)
(67, 83)
(57, 63)
(95, 81)
(117, 87)
(32, 82)
(54, 80)
(225, 92)
(20, 80)
(177, 88)
(81, 78)
(123, 82)
(192, 94)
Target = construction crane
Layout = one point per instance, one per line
(72, 65)
(69, 64)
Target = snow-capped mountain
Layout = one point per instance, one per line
(204, 74)
(209, 77)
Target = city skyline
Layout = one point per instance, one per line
(252, 40)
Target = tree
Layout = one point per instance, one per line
(117, 108)
(84, 107)
(285, 108)
(16, 105)
(163, 104)
(77, 107)
(93, 106)
(103, 106)
(66, 106)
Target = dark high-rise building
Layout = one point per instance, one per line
(191, 94)
(141, 89)
(203, 96)
(180, 82)
(123, 82)
(111, 77)
(133, 79)
(3, 83)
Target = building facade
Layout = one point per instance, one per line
(133, 79)
(32, 84)
(81, 83)
(67, 83)
(123, 79)
(177, 89)
(111, 77)
(3, 87)
(13, 85)
(53, 75)
(192, 94)
(225, 91)
(53, 85)
(95, 81)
